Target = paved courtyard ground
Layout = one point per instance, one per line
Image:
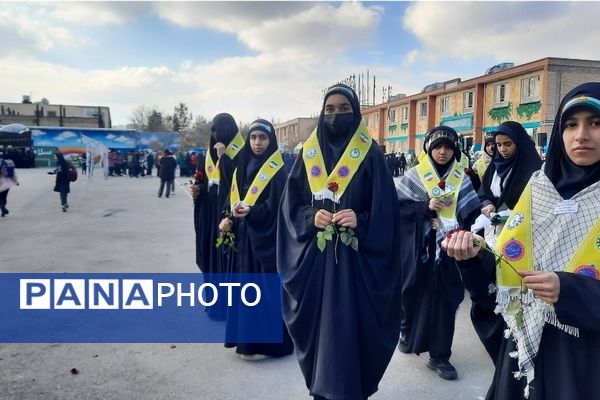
(120, 225)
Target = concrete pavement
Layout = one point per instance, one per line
(120, 225)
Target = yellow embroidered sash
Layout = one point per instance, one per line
(211, 169)
(234, 147)
(516, 245)
(480, 167)
(266, 172)
(344, 171)
(448, 195)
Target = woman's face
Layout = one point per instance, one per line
(259, 142)
(337, 104)
(581, 137)
(506, 147)
(489, 148)
(442, 154)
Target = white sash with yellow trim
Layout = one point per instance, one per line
(211, 169)
(266, 172)
(344, 171)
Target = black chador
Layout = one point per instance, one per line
(553, 353)
(432, 288)
(255, 227)
(214, 192)
(341, 304)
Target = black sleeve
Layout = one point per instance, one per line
(578, 301)
(478, 276)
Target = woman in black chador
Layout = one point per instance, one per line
(211, 194)
(541, 325)
(339, 255)
(439, 195)
(254, 200)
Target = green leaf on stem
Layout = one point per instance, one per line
(355, 243)
(321, 242)
(346, 239)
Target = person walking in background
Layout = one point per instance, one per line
(63, 183)
(8, 179)
(150, 163)
(168, 164)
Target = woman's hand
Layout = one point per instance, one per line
(220, 148)
(241, 211)
(323, 218)
(225, 225)
(435, 205)
(488, 210)
(345, 217)
(545, 285)
(462, 245)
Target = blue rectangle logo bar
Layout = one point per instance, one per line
(140, 308)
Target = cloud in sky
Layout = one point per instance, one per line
(508, 31)
(296, 50)
(26, 32)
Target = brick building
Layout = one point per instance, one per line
(527, 93)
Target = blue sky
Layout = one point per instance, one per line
(268, 59)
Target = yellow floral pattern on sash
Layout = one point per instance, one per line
(344, 171)
(449, 195)
(211, 169)
(266, 172)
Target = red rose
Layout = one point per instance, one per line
(442, 184)
(469, 171)
(333, 187)
(239, 209)
(198, 176)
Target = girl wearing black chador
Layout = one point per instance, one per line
(536, 311)
(338, 253)
(256, 190)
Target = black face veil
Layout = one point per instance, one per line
(333, 145)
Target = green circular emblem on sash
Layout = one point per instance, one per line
(598, 242)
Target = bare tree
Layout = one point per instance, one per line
(139, 118)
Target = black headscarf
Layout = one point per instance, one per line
(248, 162)
(569, 178)
(223, 131)
(442, 135)
(523, 163)
(490, 137)
(333, 145)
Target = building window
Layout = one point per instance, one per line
(404, 114)
(530, 89)
(393, 115)
(423, 109)
(445, 105)
(501, 95)
(377, 119)
(468, 98)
